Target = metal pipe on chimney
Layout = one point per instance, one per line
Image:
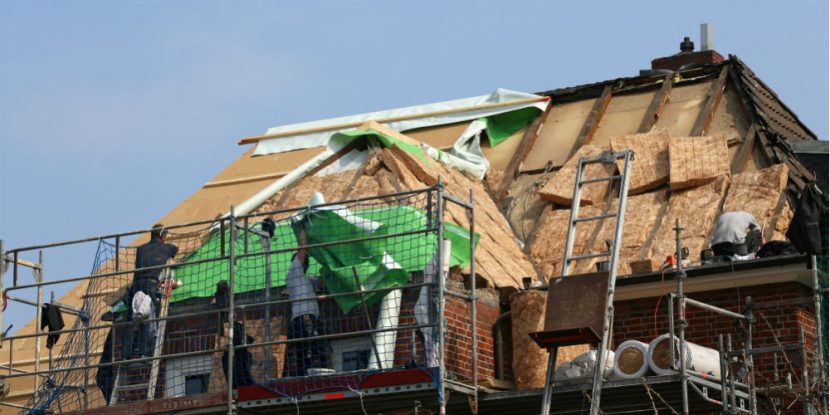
(707, 37)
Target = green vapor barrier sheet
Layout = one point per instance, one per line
(501, 126)
(384, 140)
(380, 263)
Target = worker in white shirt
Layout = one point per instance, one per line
(736, 235)
(304, 313)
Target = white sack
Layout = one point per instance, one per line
(583, 366)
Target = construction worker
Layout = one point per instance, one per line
(304, 313)
(737, 235)
(154, 253)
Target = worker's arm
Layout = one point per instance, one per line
(753, 224)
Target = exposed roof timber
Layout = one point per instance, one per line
(773, 144)
(745, 152)
(712, 100)
(592, 123)
(656, 107)
(634, 84)
(521, 153)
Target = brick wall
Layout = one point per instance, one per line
(779, 308)
(459, 338)
(674, 62)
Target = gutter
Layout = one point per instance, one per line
(790, 268)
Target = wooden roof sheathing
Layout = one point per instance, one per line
(558, 134)
(441, 137)
(623, 116)
(681, 112)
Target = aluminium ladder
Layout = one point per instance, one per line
(613, 254)
(121, 374)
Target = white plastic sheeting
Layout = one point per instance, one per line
(632, 351)
(698, 358)
(583, 366)
(350, 161)
(318, 139)
(388, 316)
(424, 307)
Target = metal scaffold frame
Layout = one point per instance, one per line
(442, 382)
(729, 386)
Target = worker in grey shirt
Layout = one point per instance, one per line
(736, 234)
(304, 313)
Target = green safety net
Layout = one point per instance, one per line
(378, 263)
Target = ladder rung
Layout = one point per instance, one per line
(590, 218)
(586, 256)
(600, 179)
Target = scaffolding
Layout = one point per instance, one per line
(365, 326)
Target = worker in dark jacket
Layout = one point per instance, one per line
(152, 254)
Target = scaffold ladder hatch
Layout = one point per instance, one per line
(612, 254)
(121, 375)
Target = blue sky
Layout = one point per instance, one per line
(112, 112)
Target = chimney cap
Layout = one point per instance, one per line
(687, 45)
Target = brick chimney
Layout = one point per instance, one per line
(686, 56)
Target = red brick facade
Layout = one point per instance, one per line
(459, 339)
(674, 62)
(779, 308)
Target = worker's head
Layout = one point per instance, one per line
(158, 231)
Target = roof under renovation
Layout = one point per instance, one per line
(708, 136)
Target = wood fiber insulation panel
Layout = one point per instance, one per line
(548, 246)
(275, 353)
(500, 260)
(524, 206)
(527, 310)
(697, 208)
(499, 257)
(782, 223)
(758, 193)
(498, 243)
(642, 215)
(695, 161)
(558, 135)
(332, 187)
(559, 189)
(650, 167)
